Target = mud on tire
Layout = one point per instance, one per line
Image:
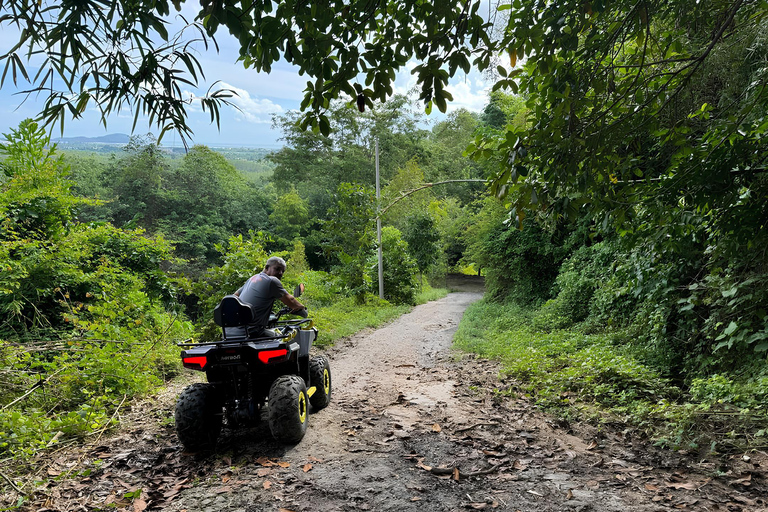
(288, 406)
(198, 417)
(320, 378)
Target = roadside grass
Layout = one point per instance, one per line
(345, 317)
(428, 294)
(600, 378)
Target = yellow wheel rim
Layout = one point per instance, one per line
(326, 381)
(302, 407)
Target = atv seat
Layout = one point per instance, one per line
(232, 312)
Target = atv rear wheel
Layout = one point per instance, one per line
(198, 417)
(320, 378)
(288, 409)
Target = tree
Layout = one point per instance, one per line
(677, 107)
(349, 235)
(445, 159)
(650, 119)
(136, 181)
(55, 269)
(119, 55)
(290, 216)
(423, 239)
(35, 197)
(399, 268)
(408, 178)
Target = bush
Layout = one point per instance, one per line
(585, 271)
(399, 269)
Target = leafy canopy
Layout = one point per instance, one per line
(118, 54)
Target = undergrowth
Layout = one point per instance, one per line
(601, 377)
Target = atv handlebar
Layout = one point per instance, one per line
(288, 311)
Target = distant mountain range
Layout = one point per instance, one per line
(112, 138)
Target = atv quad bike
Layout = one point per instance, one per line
(247, 373)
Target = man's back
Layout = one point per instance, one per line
(261, 291)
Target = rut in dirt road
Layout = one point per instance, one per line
(412, 426)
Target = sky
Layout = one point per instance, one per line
(260, 95)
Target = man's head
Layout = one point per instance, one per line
(275, 267)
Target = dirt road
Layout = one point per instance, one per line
(412, 426)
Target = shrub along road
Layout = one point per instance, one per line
(411, 426)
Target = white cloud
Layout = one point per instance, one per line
(251, 109)
(469, 91)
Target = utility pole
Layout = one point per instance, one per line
(378, 225)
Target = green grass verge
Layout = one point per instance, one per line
(599, 377)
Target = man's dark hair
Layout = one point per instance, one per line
(275, 261)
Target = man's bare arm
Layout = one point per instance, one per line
(290, 301)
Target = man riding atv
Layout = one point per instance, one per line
(261, 291)
(262, 362)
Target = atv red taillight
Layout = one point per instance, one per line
(273, 356)
(195, 362)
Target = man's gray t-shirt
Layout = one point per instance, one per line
(261, 291)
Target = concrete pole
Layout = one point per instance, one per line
(378, 225)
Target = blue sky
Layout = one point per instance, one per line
(260, 96)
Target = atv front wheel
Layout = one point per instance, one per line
(320, 378)
(198, 417)
(288, 409)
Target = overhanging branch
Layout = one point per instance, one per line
(407, 193)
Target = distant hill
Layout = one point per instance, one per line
(112, 138)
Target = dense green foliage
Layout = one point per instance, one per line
(663, 143)
(399, 268)
(86, 311)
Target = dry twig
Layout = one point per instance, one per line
(10, 482)
(486, 424)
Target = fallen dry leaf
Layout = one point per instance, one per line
(682, 485)
(592, 445)
(651, 487)
(520, 465)
(264, 461)
(139, 505)
(744, 501)
(307, 467)
(313, 459)
(263, 472)
(747, 480)
(284, 464)
(569, 495)
(477, 506)
(267, 484)
(456, 475)
(436, 428)
(415, 498)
